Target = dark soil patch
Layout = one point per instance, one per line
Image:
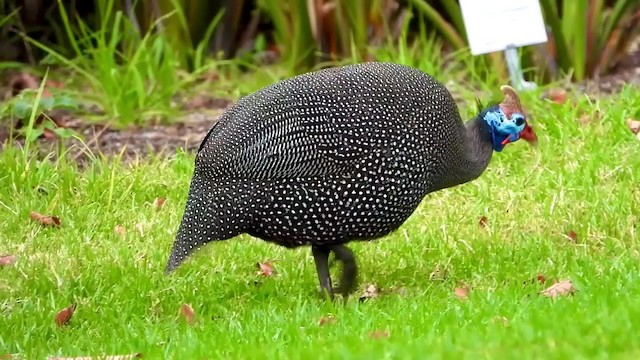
(131, 143)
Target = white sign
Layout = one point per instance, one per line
(494, 25)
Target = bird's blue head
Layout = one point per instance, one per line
(507, 122)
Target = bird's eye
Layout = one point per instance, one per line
(519, 120)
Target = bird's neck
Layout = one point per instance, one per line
(477, 149)
(472, 157)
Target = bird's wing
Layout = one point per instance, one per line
(297, 142)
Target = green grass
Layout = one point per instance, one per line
(581, 177)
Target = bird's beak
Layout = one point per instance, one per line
(529, 135)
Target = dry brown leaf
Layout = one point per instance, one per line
(45, 220)
(541, 279)
(327, 320)
(265, 268)
(484, 222)
(558, 96)
(158, 203)
(187, 313)
(108, 357)
(6, 260)
(379, 334)
(561, 288)
(634, 126)
(65, 315)
(120, 231)
(371, 291)
(462, 293)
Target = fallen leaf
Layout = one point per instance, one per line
(370, 292)
(634, 125)
(120, 230)
(558, 96)
(484, 222)
(65, 315)
(541, 279)
(6, 260)
(45, 220)
(573, 237)
(108, 357)
(326, 320)
(265, 268)
(187, 313)
(561, 288)
(379, 334)
(158, 203)
(462, 293)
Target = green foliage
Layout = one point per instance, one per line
(22, 105)
(30, 105)
(454, 32)
(131, 76)
(590, 47)
(424, 51)
(311, 33)
(587, 38)
(292, 32)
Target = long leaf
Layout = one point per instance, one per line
(454, 11)
(553, 20)
(447, 30)
(619, 10)
(579, 37)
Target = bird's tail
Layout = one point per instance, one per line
(206, 218)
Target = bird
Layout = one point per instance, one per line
(337, 155)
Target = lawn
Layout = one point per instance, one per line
(568, 209)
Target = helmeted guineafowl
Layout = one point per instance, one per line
(336, 155)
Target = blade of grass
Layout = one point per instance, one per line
(35, 109)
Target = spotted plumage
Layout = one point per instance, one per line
(333, 156)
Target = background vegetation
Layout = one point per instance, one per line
(130, 59)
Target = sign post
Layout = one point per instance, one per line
(504, 25)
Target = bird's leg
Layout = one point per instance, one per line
(321, 258)
(349, 269)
